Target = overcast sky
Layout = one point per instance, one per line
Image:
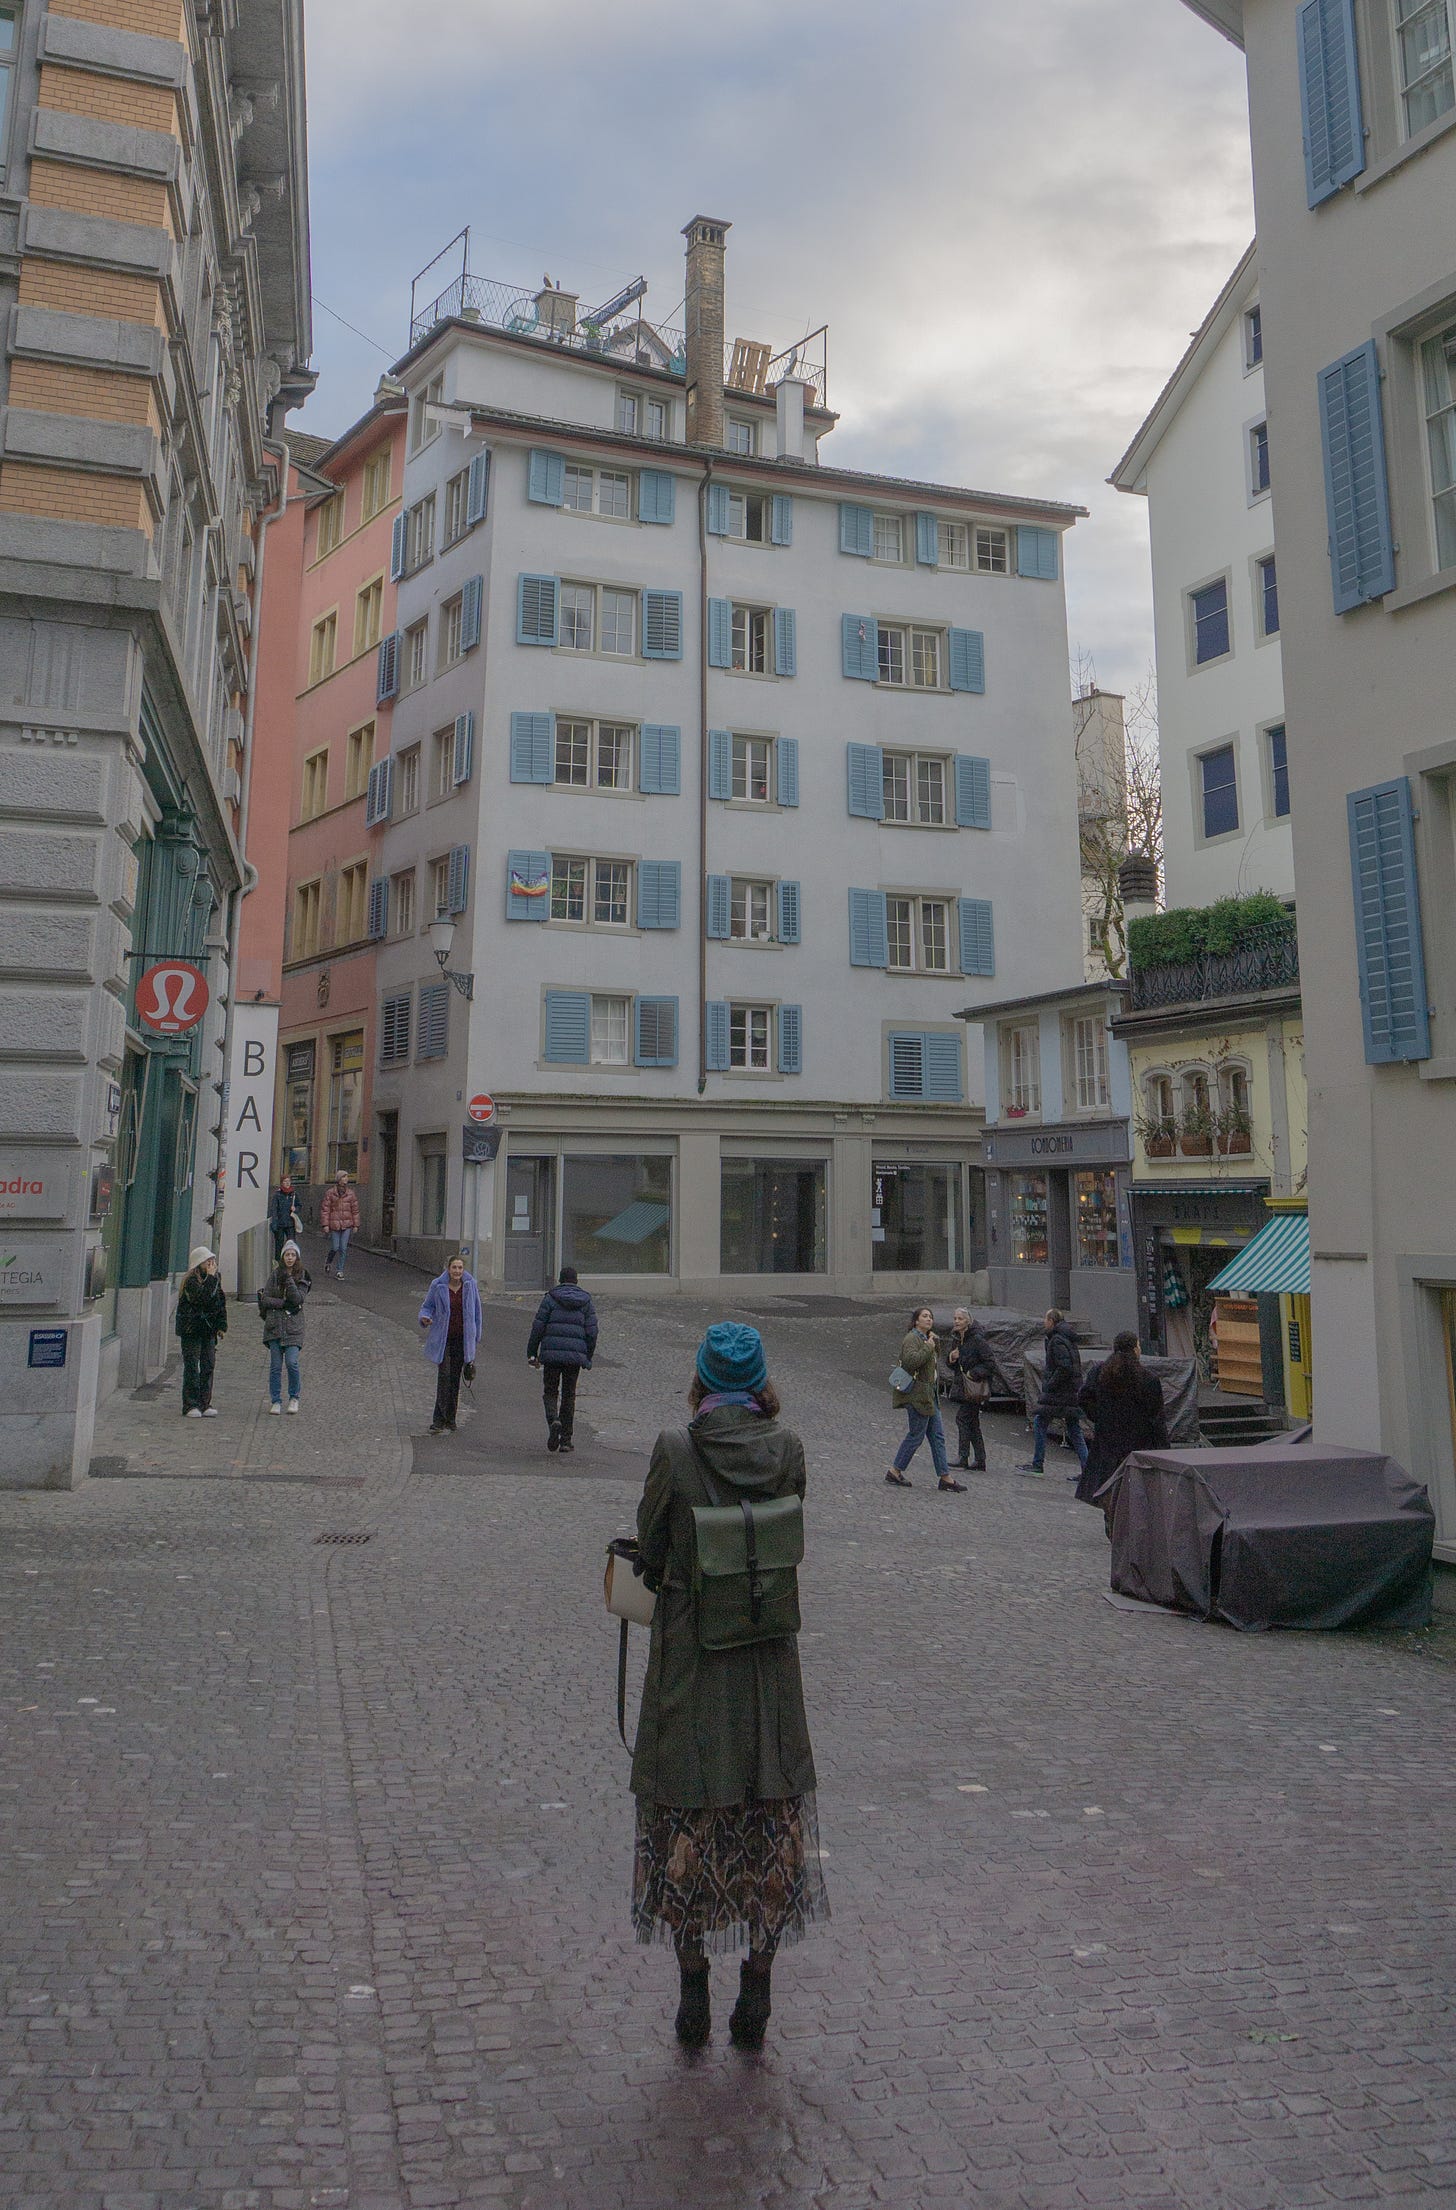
(1011, 213)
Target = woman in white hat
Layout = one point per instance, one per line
(280, 1300)
(201, 1319)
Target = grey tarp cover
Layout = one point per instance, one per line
(1011, 1335)
(1299, 1537)
(1179, 1377)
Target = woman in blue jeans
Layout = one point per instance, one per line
(280, 1300)
(920, 1402)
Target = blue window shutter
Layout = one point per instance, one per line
(927, 541)
(1036, 554)
(967, 658)
(1357, 495)
(715, 1035)
(856, 530)
(432, 1038)
(378, 793)
(656, 496)
(942, 1063)
(869, 940)
(528, 886)
(463, 764)
(859, 639)
(907, 1063)
(660, 772)
(533, 746)
(1388, 934)
(477, 489)
(720, 633)
(1329, 97)
(720, 763)
(718, 906)
(978, 937)
(470, 600)
(866, 781)
(786, 761)
(972, 792)
(379, 907)
(717, 510)
(789, 903)
(781, 519)
(546, 477)
(791, 1039)
(659, 893)
(662, 625)
(786, 641)
(387, 685)
(655, 1032)
(396, 547)
(394, 1028)
(457, 891)
(537, 601)
(568, 1028)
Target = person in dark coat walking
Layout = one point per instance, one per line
(201, 1322)
(283, 1216)
(969, 1373)
(1125, 1404)
(1061, 1379)
(727, 1845)
(563, 1340)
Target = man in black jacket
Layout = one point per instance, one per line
(563, 1339)
(1061, 1380)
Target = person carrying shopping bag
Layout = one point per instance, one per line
(280, 1300)
(915, 1395)
(201, 1323)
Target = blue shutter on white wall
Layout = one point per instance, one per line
(718, 907)
(972, 792)
(660, 771)
(715, 1036)
(379, 907)
(1388, 935)
(432, 1034)
(781, 519)
(1036, 554)
(567, 1028)
(942, 1062)
(463, 764)
(720, 763)
(856, 529)
(869, 938)
(396, 548)
(654, 1037)
(656, 496)
(662, 625)
(717, 510)
(967, 657)
(457, 879)
(659, 893)
(927, 541)
(788, 913)
(387, 681)
(786, 760)
(720, 633)
(533, 747)
(477, 489)
(546, 477)
(786, 641)
(866, 767)
(791, 1039)
(1357, 494)
(977, 936)
(1329, 97)
(470, 600)
(528, 886)
(378, 793)
(859, 643)
(537, 599)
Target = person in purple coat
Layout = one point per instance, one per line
(451, 1313)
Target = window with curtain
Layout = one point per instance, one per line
(1423, 43)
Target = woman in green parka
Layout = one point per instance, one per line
(921, 1403)
(727, 1844)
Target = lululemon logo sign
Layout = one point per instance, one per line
(172, 997)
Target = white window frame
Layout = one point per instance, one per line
(402, 903)
(740, 504)
(1437, 352)
(953, 545)
(452, 615)
(913, 637)
(599, 592)
(592, 732)
(439, 883)
(419, 534)
(588, 477)
(1408, 129)
(644, 414)
(750, 638)
(892, 528)
(376, 487)
(589, 862)
(331, 513)
(409, 782)
(917, 814)
(750, 1031)
(424, 431)
(1087, 1062)
(992, 549)
(1253, 327)
(442, 764)
(916, 929)
(359, 746)
(750, 910)
(605, 1010)
(414, 656)
(1256, 439)
(1021, 1068)
(744, 758)
(740, 434)
(457, 495)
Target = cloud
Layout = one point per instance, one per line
(1010, 217)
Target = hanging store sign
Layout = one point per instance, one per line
(172, 997)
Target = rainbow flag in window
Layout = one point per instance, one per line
(523, 886)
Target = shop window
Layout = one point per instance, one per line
(773, 1216)
(1094, 1201)
(916, 1218)
(346, 1097)
(616, 1214)
(298, 1064)
(1028, 1219)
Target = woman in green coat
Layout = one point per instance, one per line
(922, 1403)
(727, 1844)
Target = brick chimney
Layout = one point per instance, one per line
(705, 235)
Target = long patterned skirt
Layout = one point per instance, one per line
(717, 1878)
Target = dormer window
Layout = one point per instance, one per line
(740, 435)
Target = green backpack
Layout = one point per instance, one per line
(745, 1568)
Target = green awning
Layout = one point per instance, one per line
(1275, 1264)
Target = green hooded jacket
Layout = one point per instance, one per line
(716, 1726)
(917, 1356)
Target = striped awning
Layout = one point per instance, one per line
(1275, 1264)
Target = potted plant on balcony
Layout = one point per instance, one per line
(1159, 1135)
(1196, 1131)
(1235, 1132)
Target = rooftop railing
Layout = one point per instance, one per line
(1267, 959)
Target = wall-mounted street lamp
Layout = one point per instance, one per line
(442, 937)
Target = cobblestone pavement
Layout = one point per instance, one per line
(315, 1852)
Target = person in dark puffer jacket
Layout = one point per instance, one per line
(563, 1340)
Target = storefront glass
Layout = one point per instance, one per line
(616, 1215)
(916, 1221)
(346, 1101)
(298, 1110)
(1094, 1195)
(1028, 1202)
(773, 1216)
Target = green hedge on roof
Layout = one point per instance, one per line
(1190, 932)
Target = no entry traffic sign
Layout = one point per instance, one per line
(481, 1108)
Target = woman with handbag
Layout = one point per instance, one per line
(727, 1847)
(915, 1385)
(968, 1377)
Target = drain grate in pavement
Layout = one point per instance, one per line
(343, 1538)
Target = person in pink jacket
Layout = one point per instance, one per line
(339, 1217)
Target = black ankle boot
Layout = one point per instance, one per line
(750, 2016)
(694, 2021)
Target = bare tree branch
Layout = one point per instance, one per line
(1120, 805)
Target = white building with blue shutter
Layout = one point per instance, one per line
(739, 775)
(1353, 116)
